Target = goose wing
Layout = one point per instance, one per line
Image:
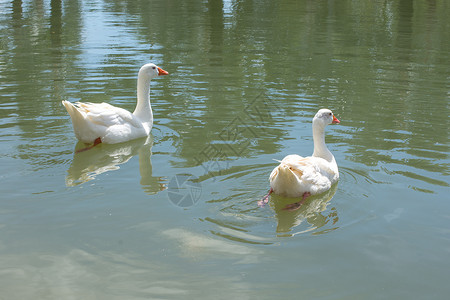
(299, 165)
(104, 114)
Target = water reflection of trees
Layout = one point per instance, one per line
(376, 63)
(356, 57)
(35, 36)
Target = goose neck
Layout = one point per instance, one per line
(320, 148)
(143, 107)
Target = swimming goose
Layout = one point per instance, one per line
(103, 123)
(298, 176)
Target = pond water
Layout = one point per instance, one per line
(175, 216)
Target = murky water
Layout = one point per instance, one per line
(175, 216)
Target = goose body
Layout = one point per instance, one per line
(105, 123)
(298, 176)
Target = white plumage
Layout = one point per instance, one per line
(298, 176)
(110, 124)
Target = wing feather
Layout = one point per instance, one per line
(104, 114)
(297, 164)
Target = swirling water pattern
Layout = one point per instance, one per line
(175, 215)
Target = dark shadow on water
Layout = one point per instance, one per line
(103, 158)
(310, 211)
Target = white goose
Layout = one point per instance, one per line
(103, 123)
(298, 176)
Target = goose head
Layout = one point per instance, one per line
(151, 71)
(325, 117)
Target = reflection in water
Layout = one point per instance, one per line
(203, 246)
(77, 273)
(241, 220)
(87, 165)
(382, 65)
(310, 211)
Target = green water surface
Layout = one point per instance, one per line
(175, 216)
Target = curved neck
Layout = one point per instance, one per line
(143, 107)
(320, 148)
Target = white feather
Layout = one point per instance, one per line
(314, 174)
(114, 124)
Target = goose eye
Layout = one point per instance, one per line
(153, 68)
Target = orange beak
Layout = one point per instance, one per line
(162, 72)
(335, 120)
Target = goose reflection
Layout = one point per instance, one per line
(310, 211)
(103, 158)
